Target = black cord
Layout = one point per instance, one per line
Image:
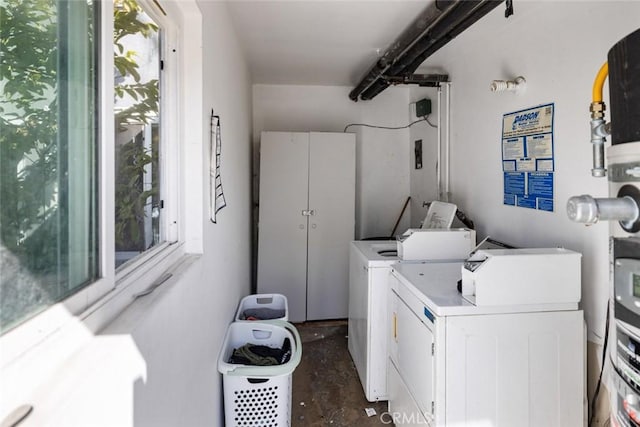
(424, 119)
(604, 359)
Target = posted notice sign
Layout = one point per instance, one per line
(527, 158)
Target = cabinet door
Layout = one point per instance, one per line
(331, 229)
(282, 229)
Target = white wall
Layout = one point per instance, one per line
(558, 47)
(180, 335)
(382, 178)
(154, 364)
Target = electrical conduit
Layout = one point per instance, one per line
(439, 154)
(447, 143)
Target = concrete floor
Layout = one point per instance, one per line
(326, 387)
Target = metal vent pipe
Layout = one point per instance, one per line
(446, 35)
(459, 18)
(442, 28)
(409, 36)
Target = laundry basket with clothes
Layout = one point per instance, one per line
(257, 360)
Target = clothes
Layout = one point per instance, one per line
(262, 314)
(261, 355)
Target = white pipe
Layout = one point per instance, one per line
(439, 165)
(447, 143)
(518, 85)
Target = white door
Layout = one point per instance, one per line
(282, 227)
(332, 180)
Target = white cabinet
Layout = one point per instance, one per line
(306, 221)
(455, 364)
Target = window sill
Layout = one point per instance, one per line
(34, 353)
(71, 322)
(134, 278)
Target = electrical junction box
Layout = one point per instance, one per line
(423, 107)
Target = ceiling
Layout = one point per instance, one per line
(331, 42)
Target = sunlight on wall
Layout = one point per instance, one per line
(88, 380)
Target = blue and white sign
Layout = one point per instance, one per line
(527, 158)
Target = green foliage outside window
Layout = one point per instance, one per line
(37, 101)
(145, 94)
(132, 157)
(28, 128)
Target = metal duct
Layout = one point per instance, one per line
(409, 36)
(444, 26)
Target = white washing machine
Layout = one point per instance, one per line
(369, 267)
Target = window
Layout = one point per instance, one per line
(91, 93)
(137, 87)
(48, 128)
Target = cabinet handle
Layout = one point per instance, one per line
(314, 226)
(301, 226)
(308, 212)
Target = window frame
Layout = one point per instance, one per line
(169, 153)
(97, 304)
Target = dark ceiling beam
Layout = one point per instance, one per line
(409, 36)
(478, 13)
(457, 12)
(458, 17)
(442, 33)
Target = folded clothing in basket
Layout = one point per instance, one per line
(261, 355)
(262, 314)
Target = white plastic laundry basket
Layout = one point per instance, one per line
(259, 301)
(258, 395)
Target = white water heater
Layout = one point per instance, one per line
(622, 208)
